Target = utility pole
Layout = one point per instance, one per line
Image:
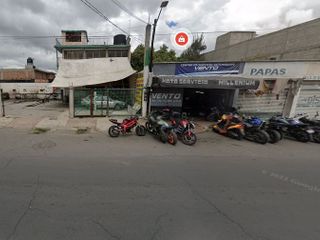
(147, 55)
(2, 112)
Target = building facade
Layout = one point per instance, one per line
(261, 88)
(28, 82)
(87, 72)
(288, 58)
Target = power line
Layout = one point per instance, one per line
(93, 8)
(121, 6)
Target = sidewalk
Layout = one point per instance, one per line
(63, 122)
(50, 117)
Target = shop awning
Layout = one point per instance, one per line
(213, 81)
(85, 72)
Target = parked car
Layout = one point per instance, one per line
(103, 102)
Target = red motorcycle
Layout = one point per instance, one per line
(184, 129)
(126, 127)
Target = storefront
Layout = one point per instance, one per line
(259, 88)
(285, 88)
(195, 88)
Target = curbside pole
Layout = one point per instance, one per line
(145, 93)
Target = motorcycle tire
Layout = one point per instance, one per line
(149, 127)
(114, 131)
(261, 137)
(274, 135)
(316, 137)
(235, 134)
(302, 136)
(163, 138)
(141, 130)
(172, 138)
(189, 138)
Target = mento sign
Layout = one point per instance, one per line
(201, 69)
(166, 98)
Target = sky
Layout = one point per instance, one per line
(29, 28)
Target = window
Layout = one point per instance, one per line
(118, 53)
(96, 54)
(73, 36)
(76, 54)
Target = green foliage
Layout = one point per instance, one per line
(165, 55)
(137, 58)
(193, 52)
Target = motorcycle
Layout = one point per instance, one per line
(158, 127)
(126, 127)
(230, 125)
(184, 129)
(274, 135)
(290, 127)
(253, 130)
(313, 123)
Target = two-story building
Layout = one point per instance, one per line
(96, 78)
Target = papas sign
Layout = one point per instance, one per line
(270, 72)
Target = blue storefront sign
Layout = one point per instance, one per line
(205, 69)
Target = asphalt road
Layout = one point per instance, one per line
(67, 186)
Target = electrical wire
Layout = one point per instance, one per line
(121, 6)
(93, 8)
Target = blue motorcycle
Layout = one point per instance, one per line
(256, 130)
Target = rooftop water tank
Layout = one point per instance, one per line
(120, 39)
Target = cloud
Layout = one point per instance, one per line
(49, 17)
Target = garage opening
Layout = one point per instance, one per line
(198, 102)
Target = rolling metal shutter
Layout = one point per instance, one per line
(267, 104)
(309, 100)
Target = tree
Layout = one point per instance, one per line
(161, 55)
(193, 52)
(164, 54)
(137, 58)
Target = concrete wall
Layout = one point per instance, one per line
(300, 42)
(15, 89)
(231, 38)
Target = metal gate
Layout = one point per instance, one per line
(309, 100)
(264, 106)
(101, 102)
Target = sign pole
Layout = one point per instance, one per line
(145, 93)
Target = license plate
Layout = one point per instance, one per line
(310, 131)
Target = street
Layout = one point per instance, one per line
(61, 185)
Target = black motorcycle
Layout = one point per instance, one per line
(314, 124)
(158, 127)
(291, 128)
(253, 130)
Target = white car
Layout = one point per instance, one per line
(103, 101)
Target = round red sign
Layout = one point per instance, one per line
(182, 39)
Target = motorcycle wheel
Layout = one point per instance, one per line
(274, 135)
(316, 137)
(235, 134)
(163, 137)
(114, 131)
(172, 138)
(149, 127)
(141, 130)
(261, 137)
(302, 136)
(189, 138)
